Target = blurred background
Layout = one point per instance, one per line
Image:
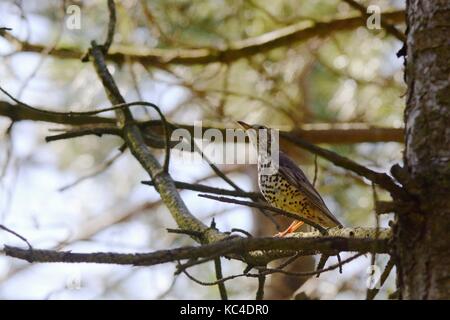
(85, 195)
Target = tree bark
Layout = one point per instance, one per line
(422, 236)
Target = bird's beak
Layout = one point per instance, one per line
(244, 125)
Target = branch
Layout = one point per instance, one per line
(84, 130)
(348, 133)
(314, 133)
(267, 249)
(103, 129)
(381, 179)
(202, 188)
(136, 143)
(18, 112)
(287, 36)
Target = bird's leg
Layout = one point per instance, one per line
(296, 226)
(292, 228)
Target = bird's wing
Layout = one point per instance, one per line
(295, 176)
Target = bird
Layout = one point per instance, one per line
(287, 187)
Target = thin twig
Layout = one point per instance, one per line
(312, 273)
(322, 261)
(381, 179)
(213, 166)
(289, 261)
(203, 188)
(256, 196)
(339, 262)
(146, 104)
(193, 233)
(315, 170)
(119, 106)
(167, 291)
(219, 276)
(9, 150)
(44, 54)
(204, 283)
(270, 271)
(377, 228)
(248, 234)
(111, 26)
(80, 132)
(116, 107)
(17, 235)
(261, 283)
(375, 201)
(194, 262)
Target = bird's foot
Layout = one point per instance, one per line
(292, 228)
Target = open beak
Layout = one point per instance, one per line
(244, 125)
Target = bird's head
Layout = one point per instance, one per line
(260, 136)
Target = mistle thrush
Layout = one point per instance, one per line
(287, 187)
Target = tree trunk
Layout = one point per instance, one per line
(422, 237)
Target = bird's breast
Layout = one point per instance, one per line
(277, 191)
(280, 194)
